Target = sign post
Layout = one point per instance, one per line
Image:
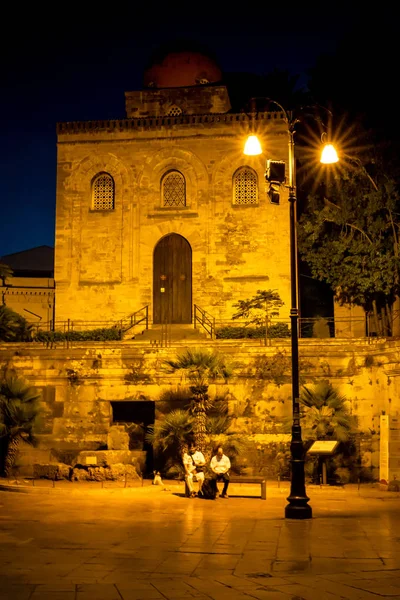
(323, 448)
(389, 450)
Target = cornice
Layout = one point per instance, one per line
(153, 123)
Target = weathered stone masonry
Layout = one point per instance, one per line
(104, 259)
(80, 383)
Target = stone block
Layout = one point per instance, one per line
(108, 458)
(120, 472)
(117, 472)
(80, 474)
(27, 457)
(118, 438)
(65, 455)
(51, 471)
(91, 457)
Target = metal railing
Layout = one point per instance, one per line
(329, 327)
(362, 327)
(71, 327)
(205, 320)
(134, 319)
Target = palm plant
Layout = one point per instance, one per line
(13, 327)
(19, 412)
(200, 367)
(219, 434)
(168, 436)
(5, 272)
(326, 415)
(218, 423)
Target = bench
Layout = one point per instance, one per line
(243, 479)
(250, 479)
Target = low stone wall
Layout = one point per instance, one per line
(81, 384)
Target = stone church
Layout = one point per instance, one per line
(162, 209)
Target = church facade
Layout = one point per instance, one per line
(162, 208)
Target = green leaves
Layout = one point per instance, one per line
(277, 330)
(5, 271)
(172, 431)
(199, 366)
(13, 327)
(19, 407)
(264, 305)
(326, 414)
(101, 334)
(19, 413)
(349, 236)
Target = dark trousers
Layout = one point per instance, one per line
(220, 477)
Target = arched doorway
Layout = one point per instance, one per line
(172, 280)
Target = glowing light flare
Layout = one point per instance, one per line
(252, 146)
(329, 155)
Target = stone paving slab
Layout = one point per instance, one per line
(154, 543)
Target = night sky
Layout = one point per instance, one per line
(72, 67)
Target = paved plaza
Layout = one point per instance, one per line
(78, 542)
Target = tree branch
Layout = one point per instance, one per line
(346, 223)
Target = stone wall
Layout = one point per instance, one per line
(79, 385)
(31, 297)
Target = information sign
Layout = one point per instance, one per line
(323, 447)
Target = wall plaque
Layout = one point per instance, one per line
(91, 460)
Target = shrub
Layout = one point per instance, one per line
(274, 368)
(14, 327)
(366, 475)
(269, 459)
(102, 334)
(343, 475)
(278, 330)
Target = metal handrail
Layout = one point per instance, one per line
(132, 319)
(204, 319)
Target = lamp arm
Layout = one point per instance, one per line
(288, 116)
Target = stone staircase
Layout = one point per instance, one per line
(159, 334)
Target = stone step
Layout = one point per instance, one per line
(171, 333)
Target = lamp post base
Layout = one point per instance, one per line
(298, 509)
(298, 499)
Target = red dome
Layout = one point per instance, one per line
(182, 69)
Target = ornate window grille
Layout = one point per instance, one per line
(174, 111)
(103, 192)
(245, 188)
(174, 189)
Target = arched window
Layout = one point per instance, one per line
(174, 111)
(103, 189)
(245, 188)
(173, 189)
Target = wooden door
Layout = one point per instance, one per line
(172, 280)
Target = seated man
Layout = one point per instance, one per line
(220, 465)
(193, 462)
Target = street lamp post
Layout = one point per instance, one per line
(298, 507)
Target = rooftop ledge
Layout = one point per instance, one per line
(115, 125)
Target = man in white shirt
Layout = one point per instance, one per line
(193, 462)
(220, 465)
